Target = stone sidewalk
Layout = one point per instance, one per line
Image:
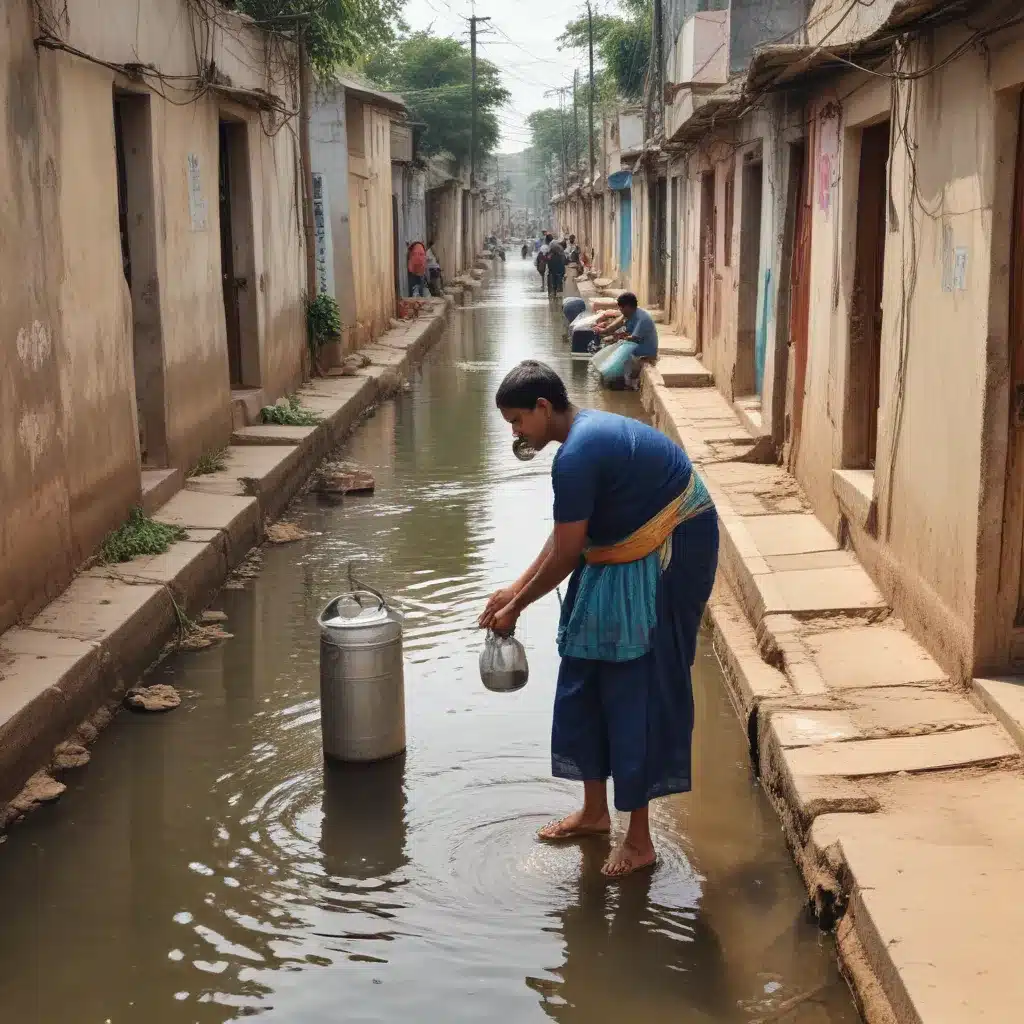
(96, 639)
(900, 794)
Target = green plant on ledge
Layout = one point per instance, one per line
(289, 413)
(210, 462)
(323, 325)
(140, 535)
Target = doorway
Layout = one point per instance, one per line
(749, 368)
(625, 234)
(237, 257)
(1014, 499)
(673, 251)
(860, 409)
(133, 147)
(396, 248)
(708, 260)
(799, 293)
(657, 204)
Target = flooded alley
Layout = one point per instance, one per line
(206, 867)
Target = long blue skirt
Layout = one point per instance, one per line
(633, 720)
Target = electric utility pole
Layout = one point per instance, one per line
(590, 97)
(473, 22)
(575, 123)
(561, 128)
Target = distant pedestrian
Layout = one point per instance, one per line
(434, 281)
(417, 267)
(556, 269)
(542, 258)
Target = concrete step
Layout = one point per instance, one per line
(683, 371)
(159, 486)
(246, 404)
(670, 344)
(1004, 697)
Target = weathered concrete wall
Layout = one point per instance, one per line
(328, 143)
(69, 439)
(371, 221)
(752, 22)
(834, 22)
(937, 375)
(35, 524)
(762, 136)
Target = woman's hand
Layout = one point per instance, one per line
(505, 619)
(497, 602)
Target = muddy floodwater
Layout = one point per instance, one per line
(206, 867)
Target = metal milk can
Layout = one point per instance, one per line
(362, 687)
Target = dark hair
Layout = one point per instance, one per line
(627, 299)
(549, 239)
(529, 382)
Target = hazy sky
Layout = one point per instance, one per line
(520, 39)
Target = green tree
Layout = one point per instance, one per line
(550, 129)
(622, 44)
(433, 75)
(336, 31)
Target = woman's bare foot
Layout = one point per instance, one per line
(626, 858)
(575, 826)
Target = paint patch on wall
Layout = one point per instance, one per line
(322, 232)
(954, 263)
(34, 432)
(828, 156)
(196, 202)
(34, 346)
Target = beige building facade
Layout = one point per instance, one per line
(154, 262)
(850, 270)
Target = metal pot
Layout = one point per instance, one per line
(362, 687)
(523, 450)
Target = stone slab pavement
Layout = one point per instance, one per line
(901, 794)
(98, 637)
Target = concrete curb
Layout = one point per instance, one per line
(110, 625)
(890, 783)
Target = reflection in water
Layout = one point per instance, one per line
(207, 865)
(363, 832)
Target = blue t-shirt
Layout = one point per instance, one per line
(617, 473)
(643, 328)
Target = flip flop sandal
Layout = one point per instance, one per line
(570, 833)
(628, 869)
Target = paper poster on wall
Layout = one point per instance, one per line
(196, 202)
(324, 253)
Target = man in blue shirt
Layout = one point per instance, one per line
(634, 324)
(637, 533)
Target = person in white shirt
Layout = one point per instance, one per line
(434, 282)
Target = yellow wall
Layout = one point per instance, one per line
(943, 351)
(371, 222)
(69, 457)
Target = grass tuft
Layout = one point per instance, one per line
(140, 535)
(289, 413)
(211, 462)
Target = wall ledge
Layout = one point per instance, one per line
(855, 489)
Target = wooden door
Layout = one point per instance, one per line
(862, 396)
(708, 261)
(800, 296)
(227, 264)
